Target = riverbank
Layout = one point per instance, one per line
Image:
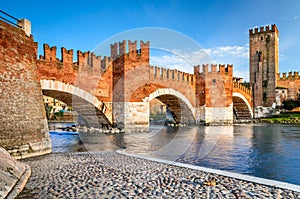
(283, 118)
(280, 120)
(13, 175)
(108, 174)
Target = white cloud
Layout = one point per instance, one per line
(243, 74)
(236, 55)
(282, 58)
(172, 62)
(225, 51)
(290, 18)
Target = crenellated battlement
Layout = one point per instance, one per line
(164, 73)
(291, 76)
(49, 53)
(67, 56)
(129, 48)
(85, 59)
(242, 88)
(263, 29)
(213, 68)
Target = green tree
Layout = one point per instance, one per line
(290, 104)
(48, 111)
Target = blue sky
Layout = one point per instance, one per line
(220, 27)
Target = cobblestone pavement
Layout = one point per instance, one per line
(111, 175)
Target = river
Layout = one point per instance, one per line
(264, 150)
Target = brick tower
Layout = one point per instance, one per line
(263, 64)
(130, 65)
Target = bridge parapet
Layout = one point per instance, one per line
(88, 66)
(84, 59)
(242, 89)
(242, 99)
(213, 68)
(169, 74)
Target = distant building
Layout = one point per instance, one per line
(56, 104)
(281, 95)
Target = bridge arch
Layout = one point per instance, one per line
(179, 105)
(240, 102)
(88, 106)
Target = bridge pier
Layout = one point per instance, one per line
(24, 130)
(131, 116)
(219, 115)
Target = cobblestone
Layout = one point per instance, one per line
(108, 174)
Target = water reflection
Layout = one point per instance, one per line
(210, 147)
(275, 155)
(63, 141)
(269, 151)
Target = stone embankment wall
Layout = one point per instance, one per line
(13, 175)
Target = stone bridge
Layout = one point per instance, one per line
(118, 89)
(115, 89)
(242, 101)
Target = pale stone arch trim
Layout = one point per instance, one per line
(237, 94)
(170, 91)
(68, 88)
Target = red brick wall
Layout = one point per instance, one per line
(128, 77)
(291, 82)
(22, 114)
(264, 64)
(214, 85)
(90, 72)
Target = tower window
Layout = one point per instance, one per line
(264, 96)
(261, 38)
(265, 83)
(259, 54)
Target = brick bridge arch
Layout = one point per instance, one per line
(88, 106)
(242, 101)
(120, 83)
(180, 107)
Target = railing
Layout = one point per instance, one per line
(8, 18)
(242, 88)
(171, 74)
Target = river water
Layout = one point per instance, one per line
(265, 150)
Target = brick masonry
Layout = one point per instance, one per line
(123, 79)
(215, 89)
(264, 64)
(126, 76)
(264, 67)
(291, 81)
(24, 130)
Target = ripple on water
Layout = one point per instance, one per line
(268, 151)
